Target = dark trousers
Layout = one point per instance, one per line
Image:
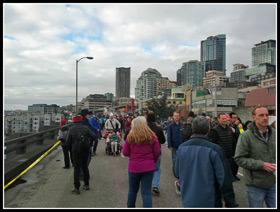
(66, 152)
(231, 161)
(95, 146)
(234, 168)
(80, 161)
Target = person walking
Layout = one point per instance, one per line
(78, 139)
(94, 123)
(62, 135)
(223, 135)
(247, 125)
(112, 124)
(203, 170)
(85, 113)
(238, 127)
(169, 121)
(186, 129)
(151, 119)
(142, 148)
(127, 123)
(256, 154)
(174, 139)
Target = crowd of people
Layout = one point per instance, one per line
(205, 154)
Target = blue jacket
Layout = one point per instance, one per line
(174, 138)
(204, 174)
(94, 124)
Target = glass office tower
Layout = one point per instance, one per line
(213, 53)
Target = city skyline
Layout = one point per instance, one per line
(42, 42)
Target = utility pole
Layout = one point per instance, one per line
(216, 97)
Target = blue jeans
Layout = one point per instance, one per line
(173, 154)
(257, 196)
(146, 188)
(157, 173)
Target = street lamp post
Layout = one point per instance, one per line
(90, 58)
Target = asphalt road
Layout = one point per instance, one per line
(48, 185)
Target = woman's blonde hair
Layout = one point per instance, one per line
(140, 133)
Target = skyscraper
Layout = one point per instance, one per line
(213, 53)
(146, 85)
(122, 82)
(192, 72)
(264, 52)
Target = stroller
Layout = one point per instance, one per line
(113, 143)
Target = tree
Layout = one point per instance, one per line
(160, 107)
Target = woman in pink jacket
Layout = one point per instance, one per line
(143, 149)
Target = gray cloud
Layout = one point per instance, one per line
(43, 41)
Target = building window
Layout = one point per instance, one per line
(271, 90)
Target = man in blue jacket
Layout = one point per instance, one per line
(203, 170)
(174, 139)
(94, 123)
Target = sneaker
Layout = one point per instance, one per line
(155, 190)
(236, 178)
(234, 206)
(177, 188)
(86, 187)
(75, 191)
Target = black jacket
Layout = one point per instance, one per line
(126, 133)
(225, 138)
(158, 131)
(72, 137)
(85, 121)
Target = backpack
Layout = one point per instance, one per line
(82, 144)
(186, 131)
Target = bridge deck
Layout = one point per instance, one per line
(49, 185)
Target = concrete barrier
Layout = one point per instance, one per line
(22, 152)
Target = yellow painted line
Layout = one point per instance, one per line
(32, 165)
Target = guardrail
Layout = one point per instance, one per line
(23, 151)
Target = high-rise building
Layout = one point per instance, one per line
(179, 77)
(192, 72)
(213, 53)
(264, 52)
(146, 85)
(122, 82)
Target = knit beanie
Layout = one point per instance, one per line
(77, 118)
(151, 117)
(228, 116)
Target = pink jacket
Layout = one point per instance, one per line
(142, 158)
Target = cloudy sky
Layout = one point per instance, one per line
(43, 41)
